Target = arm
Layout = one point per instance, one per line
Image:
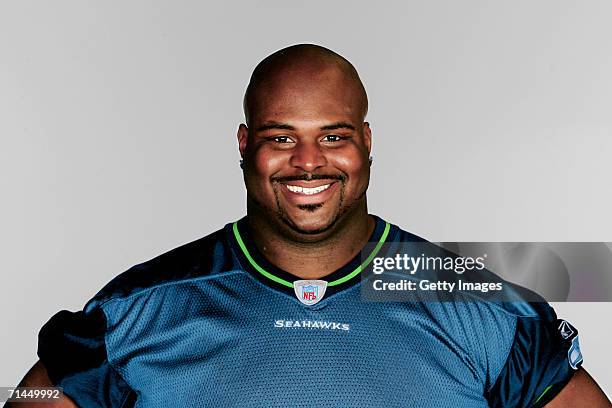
(38, 377)
(581, 391)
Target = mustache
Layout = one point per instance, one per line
(308, 177)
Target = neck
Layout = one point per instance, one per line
(308, 259)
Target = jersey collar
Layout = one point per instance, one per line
(271, 275)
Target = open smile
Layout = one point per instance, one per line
(307, 190)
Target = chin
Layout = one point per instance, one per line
(309, 222)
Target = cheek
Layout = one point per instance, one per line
(267, 163)
(357, 167)
(353, 163)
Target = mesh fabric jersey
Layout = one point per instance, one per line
(214, 324)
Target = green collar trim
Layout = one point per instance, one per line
(284, 282)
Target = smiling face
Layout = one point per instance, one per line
(306, 148)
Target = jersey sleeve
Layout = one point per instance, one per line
(542, 359)
(72, 347)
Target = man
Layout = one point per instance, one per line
(267, 311)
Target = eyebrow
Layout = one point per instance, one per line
(285, 126)
(338, 125)
(275, 125)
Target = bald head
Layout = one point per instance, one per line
(302, 69)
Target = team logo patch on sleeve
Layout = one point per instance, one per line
(566, 330)
(569, 334)
(309, 292)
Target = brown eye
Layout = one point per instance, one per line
(332, 138)
(281, 139)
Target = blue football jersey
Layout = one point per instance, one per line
(214, 324)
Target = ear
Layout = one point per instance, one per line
(367, 136)
(243, 135)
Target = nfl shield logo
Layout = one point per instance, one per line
(309, 292)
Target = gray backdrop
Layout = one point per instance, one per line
(491, 123)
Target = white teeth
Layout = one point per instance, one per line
(306, 190)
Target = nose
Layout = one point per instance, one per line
(307, 156)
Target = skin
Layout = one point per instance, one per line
(38, 377)
(309, 90)
(581, 391)
(306, 128)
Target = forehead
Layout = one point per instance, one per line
(309, 96)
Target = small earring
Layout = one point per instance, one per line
(371, 159)
(241, 164)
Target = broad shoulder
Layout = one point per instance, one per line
(203, 257)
